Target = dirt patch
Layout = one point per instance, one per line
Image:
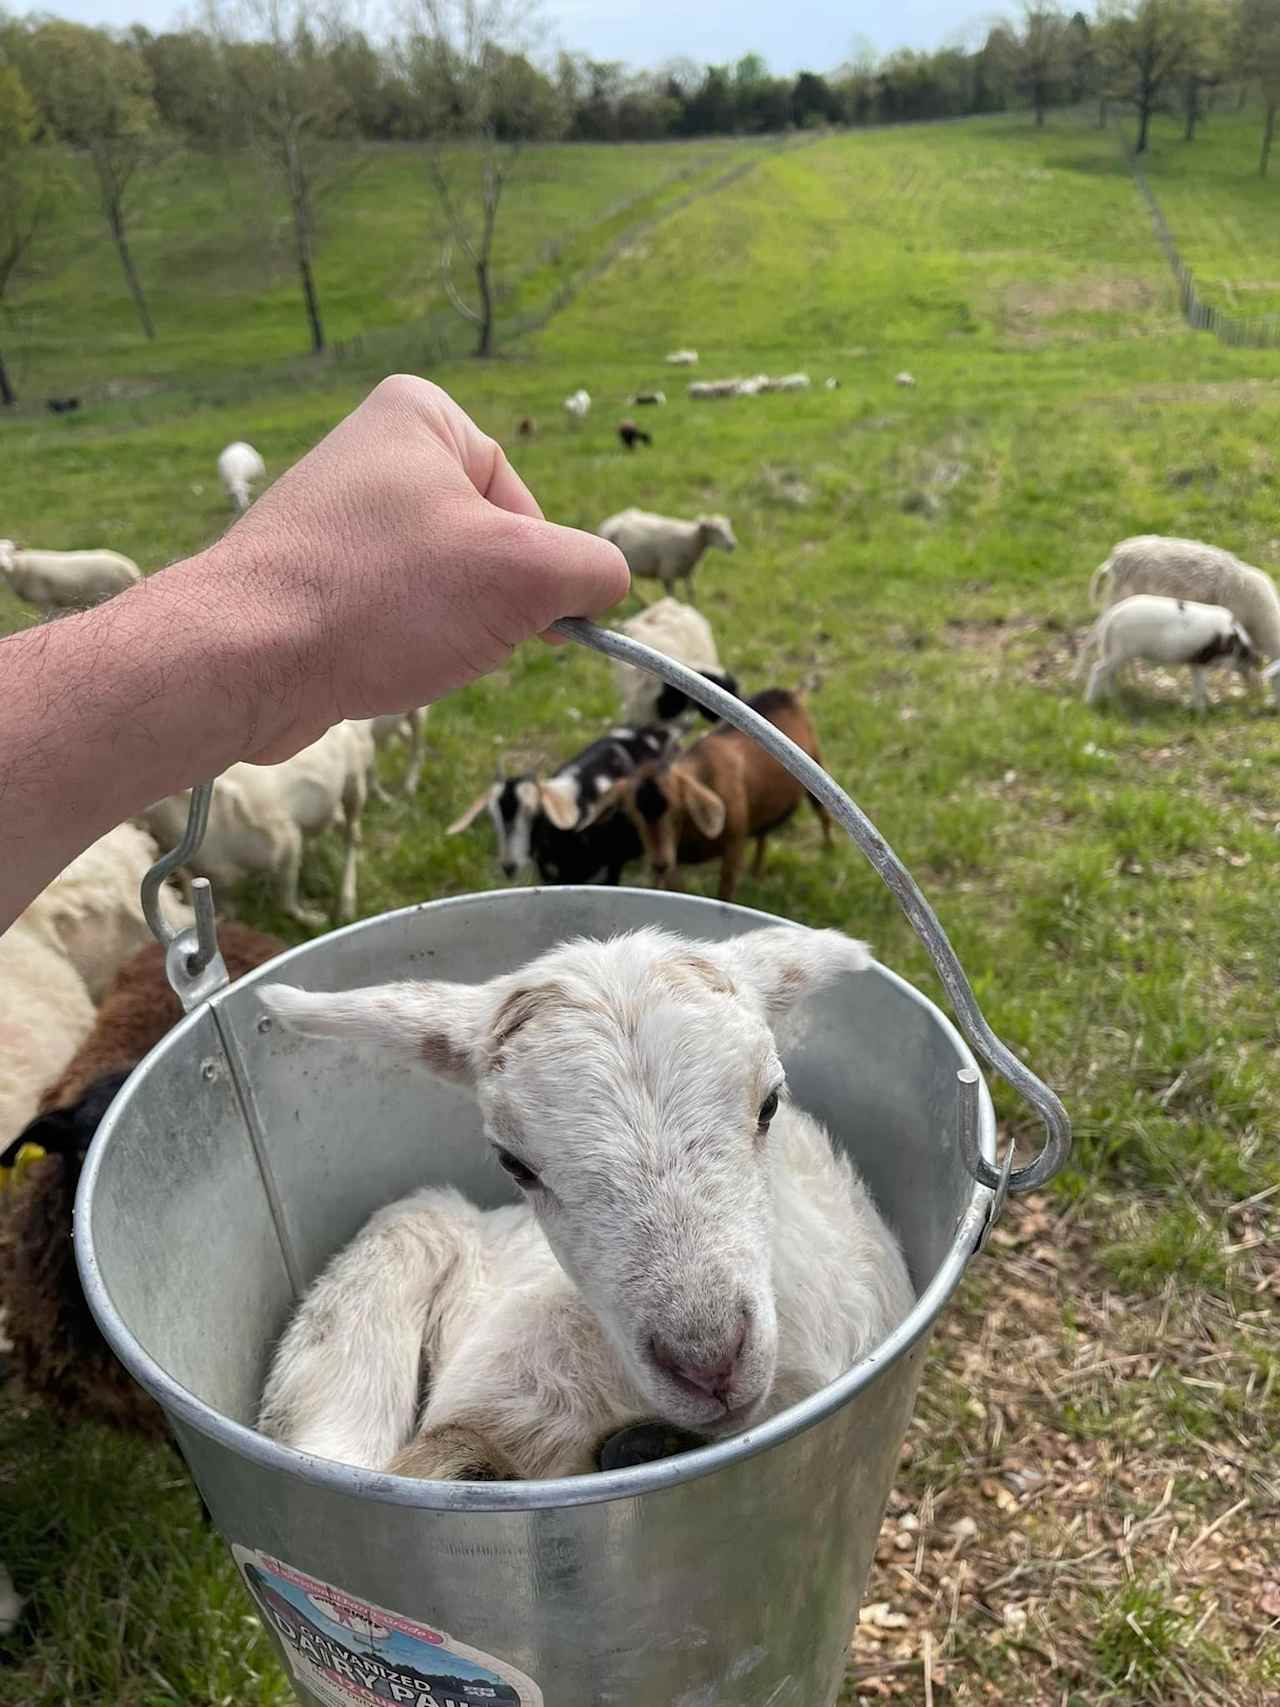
(1027, 305)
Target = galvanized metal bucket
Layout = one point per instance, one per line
(237, 1159)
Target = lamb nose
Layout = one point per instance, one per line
(714, 1379)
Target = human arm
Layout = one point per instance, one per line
(400, 559)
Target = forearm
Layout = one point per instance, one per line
(103, 712)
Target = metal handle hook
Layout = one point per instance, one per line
(194, 966)
(921, 916)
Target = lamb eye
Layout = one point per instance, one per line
(523, 1176)
(768, 1108)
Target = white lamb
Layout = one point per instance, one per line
(261, 815)
(661, 548)
(682, 633)
(411, 727)
(578, 405)
(1165, 631)
(1189, 569)
(690, 1247)
(239, 465)
(59, 956)
(683, 358)
(789, 382)
(65, 580)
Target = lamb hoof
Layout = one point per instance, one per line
(645, 1443)
(453, 1453)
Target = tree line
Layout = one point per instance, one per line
(300, 87)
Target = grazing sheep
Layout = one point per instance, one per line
(65, 580)
(261, 814)
(651, 397)
(904, 379)
(788, 382)
(239, 465)
(543, 821)
(831, 383)
(689, 1246)
(702, 390)
(63, 405)
(57, 1349)
(578, 405)
(661, 548)
(1188, 569)
(752, 387)
(1165, 631)
(683, 358)
(680, 632)
(58, 959)
(527, 428)
(409, 726)
(631, 435)
(711, 799)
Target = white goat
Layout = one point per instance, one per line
(59, 956)
(690, 1246)
(661, 548)
(239, 465)
(409, 726)
(683, 358)
(261, 814)
(65, 580)
(1165, 631)
(1189, 569)
(577, 405)
(682, 633)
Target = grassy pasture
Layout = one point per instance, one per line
(918, 559)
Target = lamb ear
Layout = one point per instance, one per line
(440, 1026)
(784, 964)
(472, 812)
(560, 803)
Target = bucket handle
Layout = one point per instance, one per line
(921, 916)
(196, 970)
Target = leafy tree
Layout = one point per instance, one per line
(27, 183)
(1146, 47)
(1257, 51)
(1081, 58)
(96, 94)
(1039, 54)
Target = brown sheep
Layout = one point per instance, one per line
(709, 800)
(58, 1351)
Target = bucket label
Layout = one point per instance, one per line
(345, 1650)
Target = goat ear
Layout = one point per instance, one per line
(705, 808)
(784, 964)
(472, 812)
(440, 1026)
(559, 800)
(604, 803)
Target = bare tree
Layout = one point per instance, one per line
(468, 61)
(1040, 53)
(289, 105)
(1147, 46)
(1258, 55)
(26, 192)
(97, 95)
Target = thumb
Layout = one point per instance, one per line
(567, 572)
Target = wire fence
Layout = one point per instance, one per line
(1259, 331)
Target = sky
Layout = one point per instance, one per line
(795, 35)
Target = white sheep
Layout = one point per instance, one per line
(578, 405)
(663, 548)
(683, 358)
(411, 727)
(906, 380)
(689, 1246)
(65, 580)
(58, 958)
(789, 382)
(702, 390)
(752, 386)
(1189, 569)
(239, 465)
(1165, 631)
(682, 633)
(261, 814)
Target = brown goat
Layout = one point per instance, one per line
(711, 799)
(57, 1349)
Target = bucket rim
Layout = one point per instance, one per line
(600, 1487)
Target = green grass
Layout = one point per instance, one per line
(919, 557)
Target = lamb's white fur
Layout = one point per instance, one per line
(1189, 569)
(789, 382)
(239, 465)
(669, 626)
(411, 727)
(578, 404)
(1164, 631)
(58, 958)
(683, 358)
(662, 548)
(65, 580)
(261, 814)
(629, 1075)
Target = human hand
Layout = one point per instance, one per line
(400, 559)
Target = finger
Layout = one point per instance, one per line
(581, 574)
(505, 488)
